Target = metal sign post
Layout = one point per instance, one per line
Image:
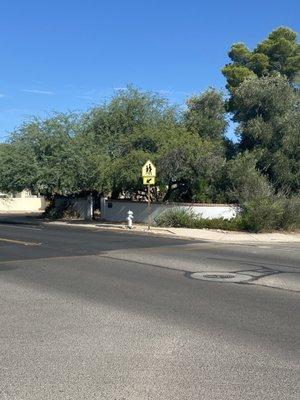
(149, 174)
(149, 209)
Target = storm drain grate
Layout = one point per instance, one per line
(221, 277)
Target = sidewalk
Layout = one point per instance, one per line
(196, 234)
(235, 237)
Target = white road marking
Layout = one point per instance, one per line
(20, 227)
(20, 242)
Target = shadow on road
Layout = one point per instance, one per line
(21, 218)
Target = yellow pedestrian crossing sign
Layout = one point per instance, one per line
(148, 180)
(149, 170)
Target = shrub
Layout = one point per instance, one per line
(265, 214)
(218, 223)
(270, 214)
(244, 181)
(63, 211)
(261, 215)
(291, 213)
(178, 217)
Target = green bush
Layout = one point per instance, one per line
(270, 214)
(264, 214)
(177, 218)
(63, 211)
(218, 223)
(185, 218)
(291, 214)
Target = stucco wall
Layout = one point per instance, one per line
(29, 204)
(116, 210)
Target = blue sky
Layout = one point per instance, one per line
(70, 55)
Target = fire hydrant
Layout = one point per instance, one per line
(129, 219)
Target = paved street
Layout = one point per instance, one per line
(89, 314)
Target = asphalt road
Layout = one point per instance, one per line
(86, 314)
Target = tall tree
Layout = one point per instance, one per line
(264, 101)
(268, 113)
(206, 115)
(18, 167)
(125, 130)
(130, 110)
(189, 166)
(43, 155)
(279, 53)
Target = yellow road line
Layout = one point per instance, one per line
(19, 242)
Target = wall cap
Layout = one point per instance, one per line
(171, 204)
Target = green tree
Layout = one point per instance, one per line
(268, 113)
(279, 53)
(126, 130)
(43, 155)
(130, 110)
(18, 167)
(190, 166)
(244, 182)
(206, 115)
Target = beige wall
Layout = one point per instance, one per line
(29, 204)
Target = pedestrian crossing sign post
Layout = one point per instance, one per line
(149, 174)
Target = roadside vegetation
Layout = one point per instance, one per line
(103, 149)
(178, 217)
(263, 215)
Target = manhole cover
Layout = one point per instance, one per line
(221, 277)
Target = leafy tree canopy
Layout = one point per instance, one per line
(268, 113)
(206, 115)
(43, 155)
(130, 110)
(279, 53)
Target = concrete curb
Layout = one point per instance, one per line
(118, 227)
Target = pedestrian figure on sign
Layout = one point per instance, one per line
(149, 169)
